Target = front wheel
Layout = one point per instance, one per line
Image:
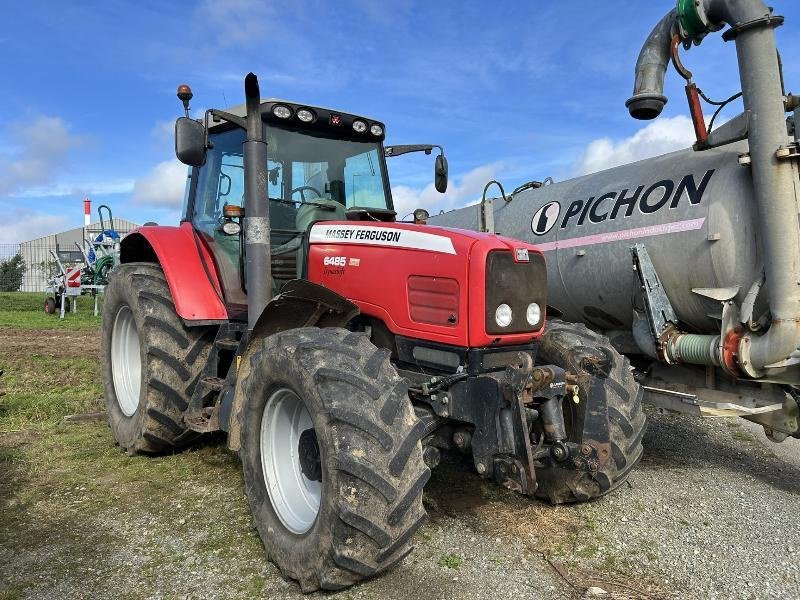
(331, 456)
(608, 422)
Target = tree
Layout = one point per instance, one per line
(11, 272)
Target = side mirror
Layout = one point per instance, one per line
(440, 174)
(190, 142)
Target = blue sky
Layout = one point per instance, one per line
(513, 90)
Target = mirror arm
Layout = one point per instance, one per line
(390, 151)
(221, 114)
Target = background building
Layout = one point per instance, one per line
(39, 263)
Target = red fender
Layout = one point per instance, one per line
(188, 267)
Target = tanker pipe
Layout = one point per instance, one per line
(751, 26)
(692, 348)
(648, 98)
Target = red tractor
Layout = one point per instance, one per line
(343, 350)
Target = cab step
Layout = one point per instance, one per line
(213, 383)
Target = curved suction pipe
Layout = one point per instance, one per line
(648, 98)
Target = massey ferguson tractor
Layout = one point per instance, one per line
(341, 350)
(689, 262)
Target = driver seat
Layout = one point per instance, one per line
(322, 209)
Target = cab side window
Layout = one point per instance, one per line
(221, 181)
(363, 180)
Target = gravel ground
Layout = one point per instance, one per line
(710, 512)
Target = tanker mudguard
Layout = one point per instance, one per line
(187, 265)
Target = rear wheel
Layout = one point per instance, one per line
(608, 422)
(331, 456)
(150, 361)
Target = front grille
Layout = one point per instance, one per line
(433, 300)
(515, 284)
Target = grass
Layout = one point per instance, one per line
(78, 516)
(451, 561)
(26, 310)
(41, 390)
(744, 435)
(84, 319)
(22, 301)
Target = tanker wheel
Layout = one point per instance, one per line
(150, 361)
(608, 422)
(49, 306)
(331, 455)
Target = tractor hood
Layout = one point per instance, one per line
(436, 283)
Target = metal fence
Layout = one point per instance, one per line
(27, 266)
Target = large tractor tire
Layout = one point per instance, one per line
(150, 361)
(608, 422)
(331, 455)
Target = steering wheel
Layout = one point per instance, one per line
(302, 189)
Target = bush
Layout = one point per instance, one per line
(11, 272)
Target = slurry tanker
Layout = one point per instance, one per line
(688, 262)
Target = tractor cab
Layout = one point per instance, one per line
(322, 165)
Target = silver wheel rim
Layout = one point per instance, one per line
(126, 363)
(294, 497)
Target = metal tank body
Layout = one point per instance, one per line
(693, 211)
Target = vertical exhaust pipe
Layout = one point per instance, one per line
(257, 266)
(752, 28)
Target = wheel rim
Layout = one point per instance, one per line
(294, 496)
(126, 363)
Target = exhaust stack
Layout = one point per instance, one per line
(258, 273)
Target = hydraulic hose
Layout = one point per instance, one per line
(693, 349)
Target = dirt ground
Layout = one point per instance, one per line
(710, 512)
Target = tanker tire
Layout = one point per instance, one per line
(49, 306)
(617, 421)
(171, 357)
(368, 438)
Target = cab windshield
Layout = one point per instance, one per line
(302, 167)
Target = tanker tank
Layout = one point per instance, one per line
(694, 212)
(688, 262)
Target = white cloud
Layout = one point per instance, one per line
(22, 225)
(235, 22)
(659, 137)
(163, 186)
(467, 190)
(40, 149)
(84, 188)
(163, 132)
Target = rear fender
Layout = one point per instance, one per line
(188, 267)
(300, 304)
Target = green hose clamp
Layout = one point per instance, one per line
(691, 22)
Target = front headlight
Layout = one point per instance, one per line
(503, 315)
(533, 314)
